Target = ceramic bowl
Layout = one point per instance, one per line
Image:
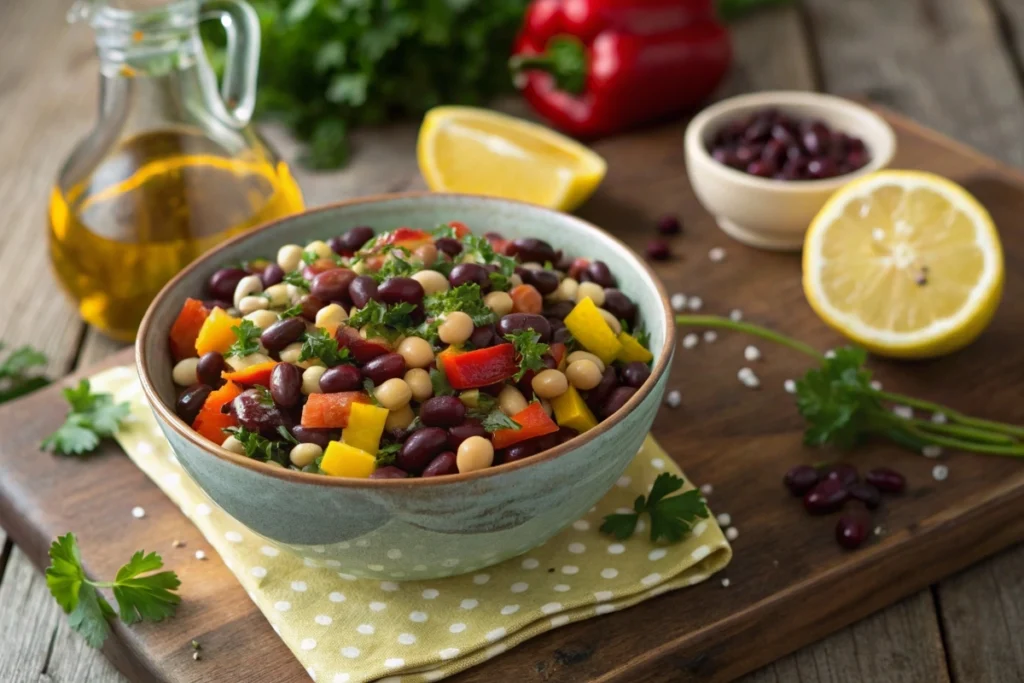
(769, 213)
(415, 528)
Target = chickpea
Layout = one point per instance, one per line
(291, 353)
(511, 401)
(585, 355)
(549, 384)
(431, 281)
(331, 314)
(360, 268)
(499, 302)
(278, 295)
(294, 294)
(417, 352)
(514, 281)
(393, 394)
(399, 419)
(262, 318)
(304, 454)
(533, 265)
(612, 321)
(289, 257)
(184, 373)
(320, 248)
(592, 290)
(475, 453)
(234, 445)
(583, 374)
(311, 379)
(247, 286)
(456, 328)
(251, 304)
(427, 254)
(546, 406)
(566, 290)
(418, 380)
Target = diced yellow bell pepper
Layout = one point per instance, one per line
(632, 350)
(591, 330)
(572, 411)
(345, 460)
(365, 427)
(216, 333)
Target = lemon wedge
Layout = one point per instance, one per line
(478, 151)
(905, 263)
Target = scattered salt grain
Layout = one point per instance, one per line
(748, 378)
(939, 418)
(931, 451)
(790, 386)
(138, 513)
(196, 656)
(906, 412)
(731, 533)
(876, 385)
(735, 315)
(724, 519)
(695, 303)
(678, 302)
(752, 353)
(717, 255)
(690, 341)
(940, 472)
(706, 489)
(710, 336)
(725, 583)
(674, 399)
(200, 555)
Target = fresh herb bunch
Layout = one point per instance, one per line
(139, 598)
(327, 67)
(92, 417)
(15, 376)
(841, 407)
(672, 517)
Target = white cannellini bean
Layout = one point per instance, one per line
(184, 372)
(304, 453)
(291, 353)
(289, 257)
(250, 304)
(262, 318)
(278, 295)
(592, 290)
(311, 379)
(247, 286)
(566, 291)
(234, 445)
(331, 314)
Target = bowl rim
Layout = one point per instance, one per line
(694, 137)
(165, 413)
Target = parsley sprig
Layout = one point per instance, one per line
(320, 344)
(481, 250)
(843, 409)
(529, 350)
(15, 378)
(295, 278)
(466, 298)
(92, 417)
(672, 517)
(259, 447)
(139, 598)
(490, 415)
(383, 320)
(247, 339)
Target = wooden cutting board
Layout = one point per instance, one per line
(790, 584)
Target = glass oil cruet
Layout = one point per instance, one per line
(173, 165)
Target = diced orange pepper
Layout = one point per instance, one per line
(211, 421)
(254, 374)
(186, 327)
(526, 299)
(533, 422)
(632, 350)
(572, 411)
(592, 331)
(330, 411)
(216, 333)
(345, 460)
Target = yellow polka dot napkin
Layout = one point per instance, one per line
(348, 630)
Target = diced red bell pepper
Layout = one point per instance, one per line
(557, 351)
(475, 369)
(211, 421)
(362, 350)
(460, 228)
(533, 422)
(254, 374)
(185, 329)
(408, 238)
(330, 411)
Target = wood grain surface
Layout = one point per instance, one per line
(47, 101)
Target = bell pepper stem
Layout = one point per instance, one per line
(565, 58)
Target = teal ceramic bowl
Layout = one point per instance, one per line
(409, 529)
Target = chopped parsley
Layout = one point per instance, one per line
(529, 350)
(395, 265)
(295, 279)
(442, 231)
(386, 454)
(320, 344)
(381, 320)
(439, 381)
(247, 339)
(91, 418)
(293, 312)
(15, 380)
(495, 420)
(671, 517)
(466, 298)
(369, 387)
(258, 447)
(482, 251)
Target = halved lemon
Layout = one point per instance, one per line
(478, 151)
(905, 263)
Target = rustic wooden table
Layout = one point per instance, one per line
(956, 65)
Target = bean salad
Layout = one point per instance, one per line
(407, 353)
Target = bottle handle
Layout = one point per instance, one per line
(242, 55)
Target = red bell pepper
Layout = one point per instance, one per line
(330, 411)
(597, 67)
(475, 369)
(362, 350)
(211, 421)
(409, 238)
(532, 421)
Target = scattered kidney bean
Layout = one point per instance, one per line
(886, 480)
(282, 333)
(827, 496)
(865, 493)
(191, 401)
(341, 378)
(286, 384)
(801, 479)
(558, 309)
(353, 240)
(523, 449)
(845, 473)
(851, 531)
(669, 225)
(210, 367)
(483, 337)
(311, 305)
(444, 463)
(658, 250)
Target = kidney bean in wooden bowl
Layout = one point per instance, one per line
(410, 389)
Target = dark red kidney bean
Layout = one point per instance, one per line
(566, 433)
(492, 389)
(851, 531)
(459, 433)
(211, 304)
(321, 437)
(532, 249)
(658, 250)
(514, 322)
(465, 273)
(544, 281)
(222, 283)
(341, 378)
(669, 225)
(362, 290)
(616, 400)
(801, 479)
(253, 413)
(822, 168)
(619, 305)
(389, 472)
(556, 325)
(441, 465)
(523, 449)
(383, 368)
(827, 496)
(442, 411)
(272, 275)
(844, 473)
(356, 238)
(397, 290)
(762, 168)
(483, 337)
(558, 309)
(865, 493)
(337, 245)
(448, 245)
(311, 305)
(599, 394)
(420, 448)
(332, 285)
(210, 367)
(635, 374)
(191, 401)
(561, 335)
(887, 480)
(599, 273)
(282, 333)
(286, 384)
